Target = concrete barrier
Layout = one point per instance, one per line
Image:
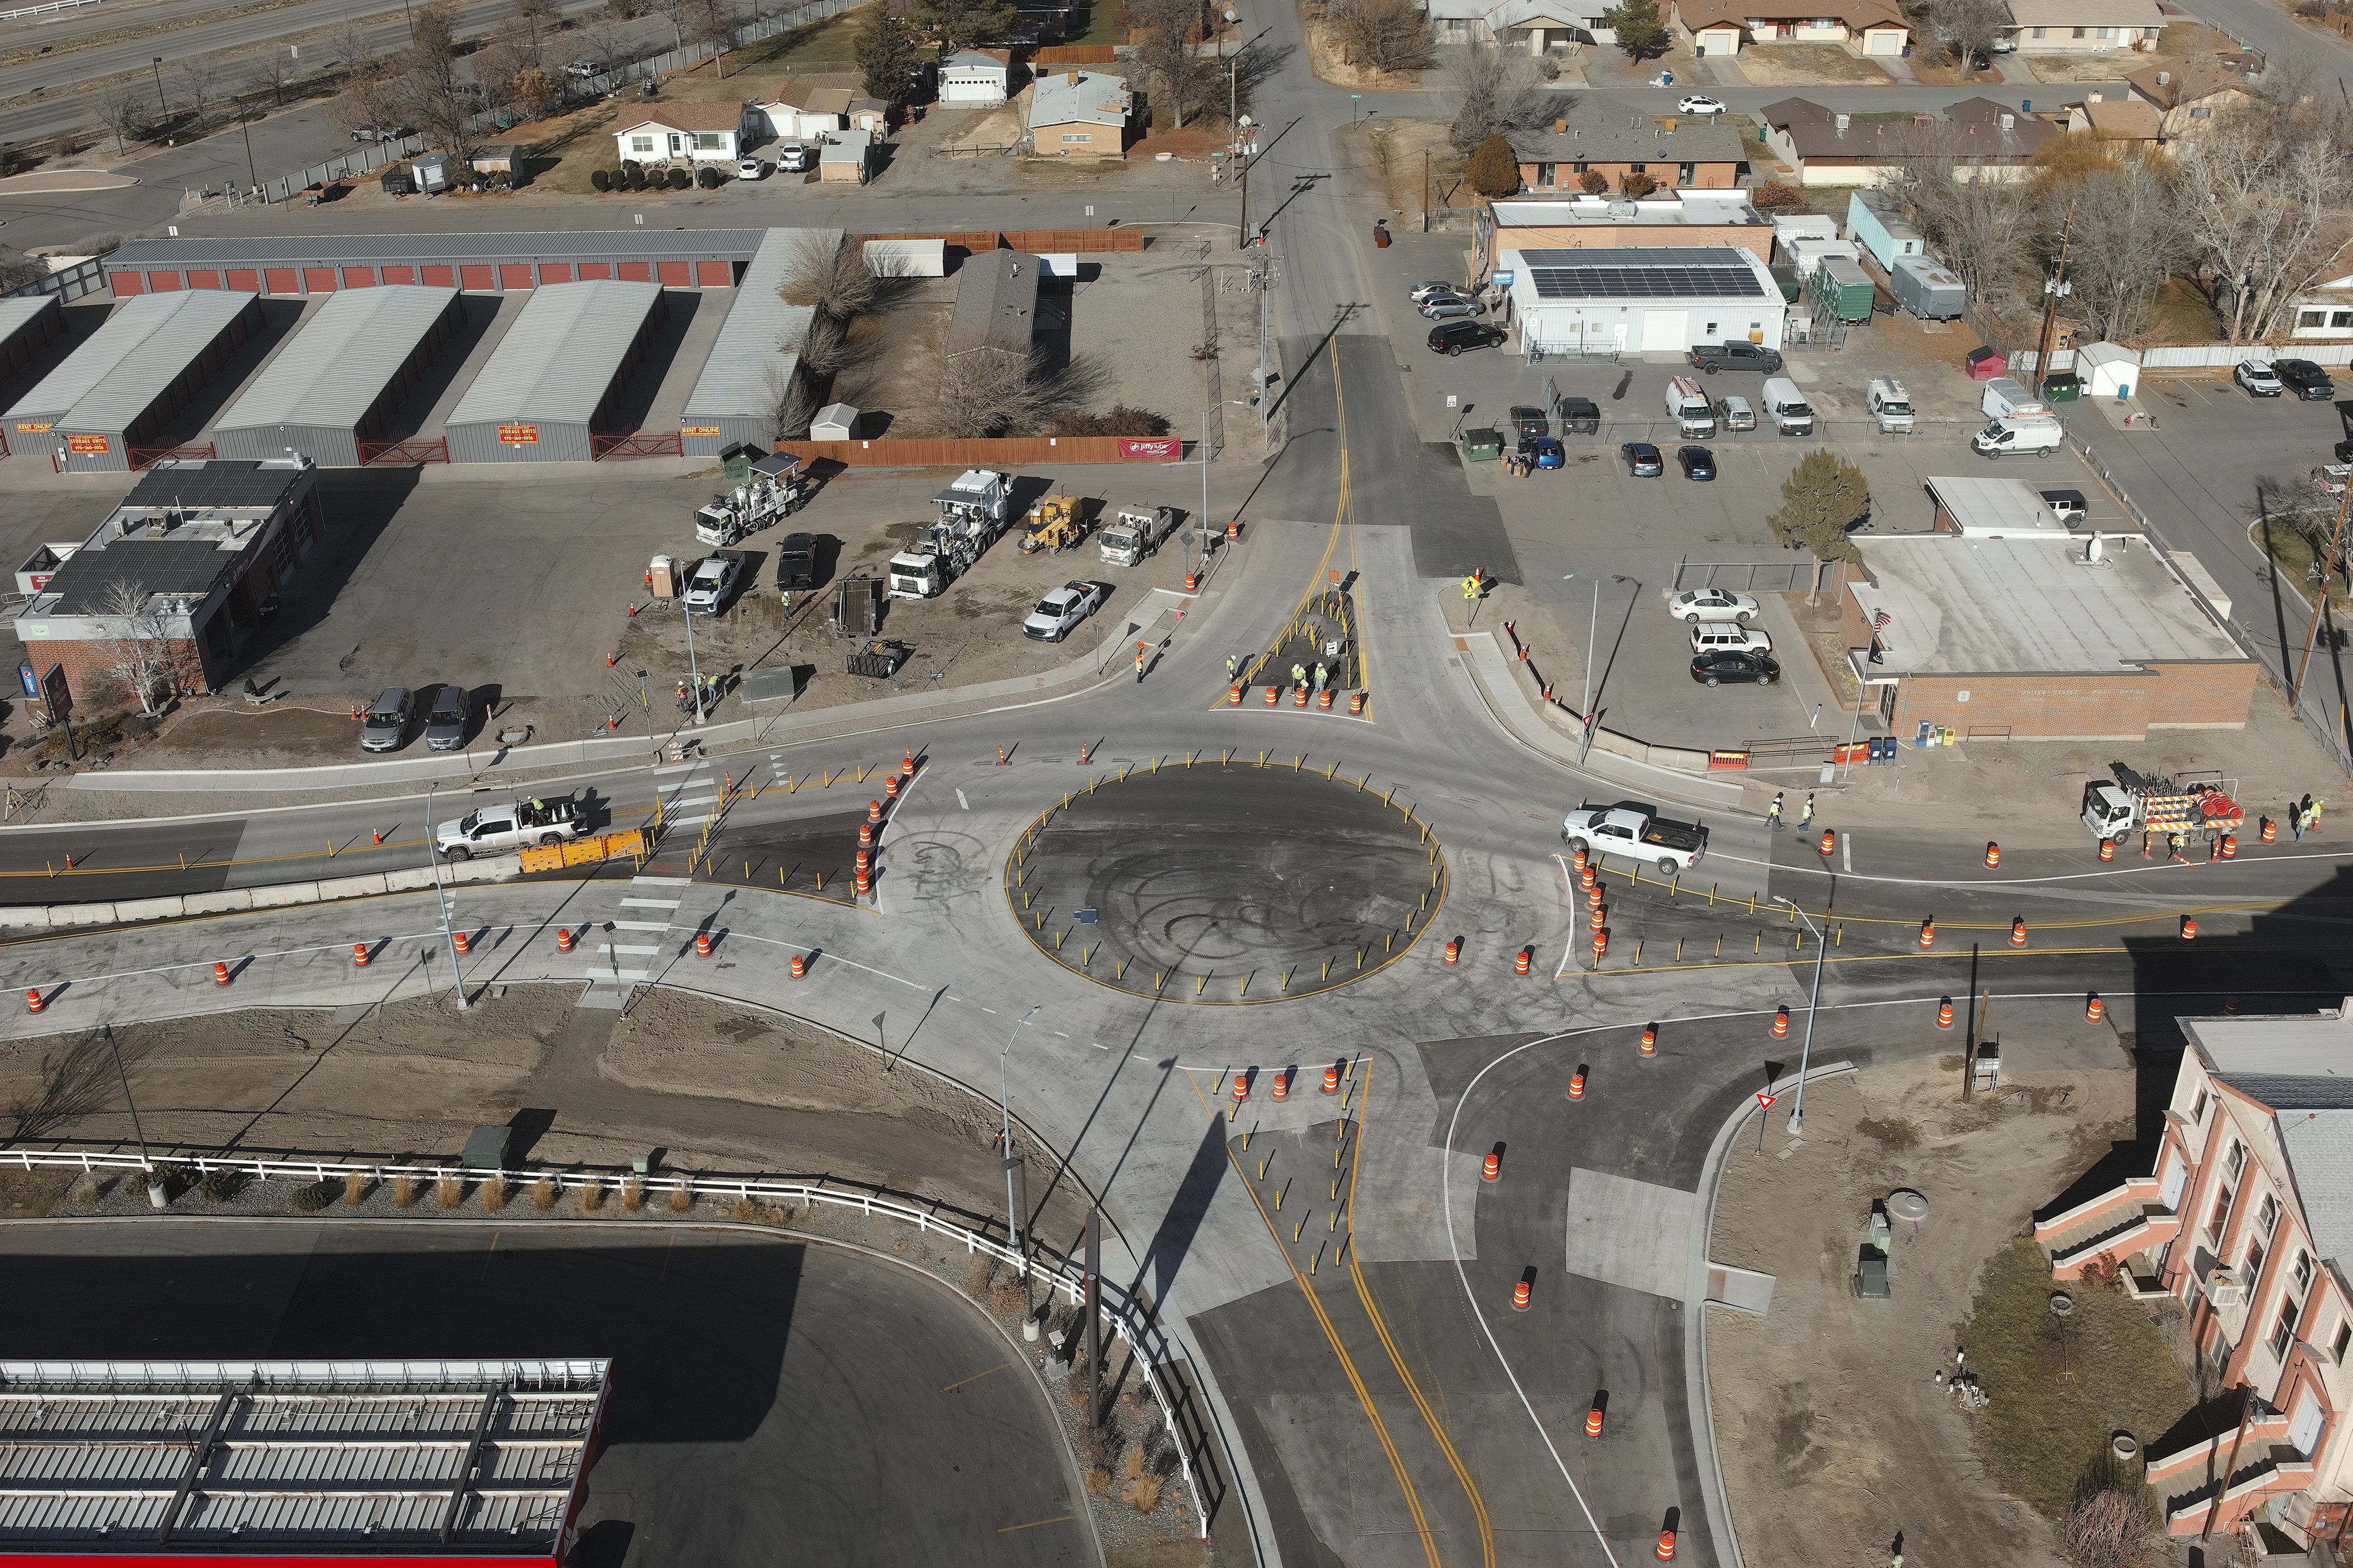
(238, 901)
(169, 909)
(80, 915)
(285, 895)
(228, 901)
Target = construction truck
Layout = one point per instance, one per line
(1054, 524)
(1136, 533)
(972, 514)
(776, 487)
(2192, 812)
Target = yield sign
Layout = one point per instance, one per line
(1765, 1101)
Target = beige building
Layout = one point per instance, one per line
(2188, 96)
(1078, 114)
(1717, 27)
(2084, 27)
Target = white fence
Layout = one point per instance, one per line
(1144, 1341)
(2194, 356)
(49, 10)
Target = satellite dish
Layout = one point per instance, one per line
(2092, 551)
(1907, 1205)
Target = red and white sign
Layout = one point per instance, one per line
(519, 435)
(1765, 1101)
(97, 446)
(1150, 448)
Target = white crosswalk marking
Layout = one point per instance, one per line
(652, 903)
(609, 976)
(622, 947)
(641, 925)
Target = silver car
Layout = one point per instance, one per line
(387, 723)
(1451, 307)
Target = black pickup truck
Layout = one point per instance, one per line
(1713, 357)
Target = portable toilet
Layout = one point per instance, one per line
(834, 422)
(663, 573)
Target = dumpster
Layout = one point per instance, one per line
(2063, 387)
(1482, 445)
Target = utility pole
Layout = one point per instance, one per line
(2054, 289)
(2320, 606)
(441, 897)
(247, 126)
(2229, 1468)
(1241, 230)
(1977, 1033)
(1425, 190)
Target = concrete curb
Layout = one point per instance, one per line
(240, 900)
(1695, 1385)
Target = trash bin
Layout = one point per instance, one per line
(1482, 445)
(2064, 387)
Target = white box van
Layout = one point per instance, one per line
(1890, 405)
(1688, 407)
(1736, 412)
(1708, 637)
(1791, 415)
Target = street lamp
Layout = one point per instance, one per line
(1592, 631)
(449, 936)
(692, 668)
(1204, 449)
(161, 108)
(247, 126)
(1005, 1106)
(1806, 1047)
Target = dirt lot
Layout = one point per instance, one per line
(1807, 65)
(1826, 1469)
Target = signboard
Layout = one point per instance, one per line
(39, 579)
(1150, 448)
(96, 445)
(24, 430)
(519, 435)
(1503, 278)
(1765, 1101)
(690, 431)
(28, 682)
(56, 695)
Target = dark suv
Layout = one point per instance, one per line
(2306, 379)
(1713, 357)
(1530, 421)
(1580, 417)
(1453, 337)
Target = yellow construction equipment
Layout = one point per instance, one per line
(1054, 524)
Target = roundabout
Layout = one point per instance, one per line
(1224, 881)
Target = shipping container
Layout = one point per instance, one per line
(1926, 288)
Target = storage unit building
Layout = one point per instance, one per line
(757, 353)
(1927, 287)
(119, 389)
(345, 372)
(26, 327)
(552, 382)
(1649, 300)
(478, 263)
(1875, 222)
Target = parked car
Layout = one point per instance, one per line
(2258, 377)
(1713, 357)
(2306, 379)
(1699, 103)
(1711, 604)
(1453, 337)
(391, 131)
(794, 158)
(712, 582)
(2067, 506)
(1549, 453)
(1642, 461)
(445, 726)
(750, 169)
(1728, 636)
(1530, 420)
(1698, 462)
(387, 723)
(1422, 291)
(1717, 666)
(583, 69)
(1580, 417)
(1053, 616)
(1451, 308)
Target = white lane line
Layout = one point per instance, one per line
(681, 804)
(622, 947)
(642, 881)
(962, 804)
(652, 903)
(1847, 853)
(641, 925)
(623, 974)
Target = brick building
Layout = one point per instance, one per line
(2246, 1219)
(201, 547)
(1592, 134)
(2037, 636)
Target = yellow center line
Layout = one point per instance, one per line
(1380, 1327)
(1058, 1519)
(1331, 1337)
(976, 1377)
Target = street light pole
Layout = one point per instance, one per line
(440, 897)
(1005, 1106)
(161, 107)
(245, 125)
(692, 668)
(1806, 1047)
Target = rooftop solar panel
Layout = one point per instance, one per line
(1644, 282)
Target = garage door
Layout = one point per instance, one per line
(715, 274)
(1666, 332)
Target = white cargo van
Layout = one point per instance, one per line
(1890, 405)
(1688, 407)
(1791, 415)
(1736, 414)
(2032, 428)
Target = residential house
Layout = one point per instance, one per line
(687, 132)
(2188, 96)
(2325, 312)
(2125, 121)
(977, 78)
(1591, 132)
(2246, 1219)
(1535, 25)
(1079, 113)
(800, 112)
(1829, 147)
(1724, 26)
(995, 303)
(2084, 27)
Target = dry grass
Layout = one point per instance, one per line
(2184, 315)
(1148, 1493)
(2292, 555)
(2108, 1528)
(355, 1186)
(2180, 40)
(543, 1193)
(682, 1199)
(404, 1191)
(633, 1195)
(1330, 61)
(32, 1192)
(1807, 65)
(1098, 1482)
(1132, 1464)
(494, 1195)
(592, 1197)
(2081, 67)
(448, 1192)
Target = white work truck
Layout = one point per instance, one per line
(1635, 831)
(509, 825)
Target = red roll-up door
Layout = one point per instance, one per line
(441, 277)
(359, 276)
(637, 272)
(481, 280)
(677, 275)
(163, 282)
(245, 280)
(399, 274)
(555, 272)
(280, 281)
(318, 279)
(204, 280)
(126, 282)
(715, 274)
(514, 276)
(591, 271)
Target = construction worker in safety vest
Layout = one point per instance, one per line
(1139, 666)
(1233, 666)
(1807, 815)
(1321, 675)
(1298, 674)
(1773, 812)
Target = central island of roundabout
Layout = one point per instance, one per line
(1227, 882)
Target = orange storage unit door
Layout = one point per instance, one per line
(127, 282)
(280, 281)
(163, 282)
(514, 275)
(677, 275)
(441, 277)
(399, 274)
(359, 276)
(243, 278)
(715, 274)
(204, 278)
(637, 272)
(555, 272)
(476, 277)
(318, 279)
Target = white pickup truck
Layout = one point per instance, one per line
(509, 825)
(1635, 831)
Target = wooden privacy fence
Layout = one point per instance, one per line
(1076, 55)
(1011, 452)
(1036, 241)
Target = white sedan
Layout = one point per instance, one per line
(1699, 103)
(1060, 610)
(750, 169)
(2258, 377)
(1711, 604)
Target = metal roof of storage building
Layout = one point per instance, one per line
(418, 1459)
(335, 368)
(16, 313)
(558, 359)
(362, 250)
(760, 341)
(129, 361)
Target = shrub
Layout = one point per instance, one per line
(355, 1188)
(1494, 168)
(543, 1193)
(448, 1192)
(1637, 185)
(592, 1197)
(633, 1195)
(1119, 419)
(218, 1186)
(494, 1195)
(746, 1211)
(404, 1191)
(312, 1196)
(681, 1197)
(1775, 196)
(634, 174)
(679, 179)
(1099, 1483)
(707, 177)
(1593, 182)
(599, 181)
(1147, 1494)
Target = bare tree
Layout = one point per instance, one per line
(1968, 28)
(136, 650)
(1495, 92)
(989, 392)
(273, 72)
(1390, 36)
(2265, 191)
(1172, 30)
(431, 91)
(200, 79)
(129, 118)
(1975, 226)
(2131, 236)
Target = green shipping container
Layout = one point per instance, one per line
(1845, 285)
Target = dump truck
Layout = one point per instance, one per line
(776, 487)
(1633, 830)
(1054, 524)
(972, 514)
(1136, 533)
(2116, 812)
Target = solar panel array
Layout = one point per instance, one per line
(1642, 282)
